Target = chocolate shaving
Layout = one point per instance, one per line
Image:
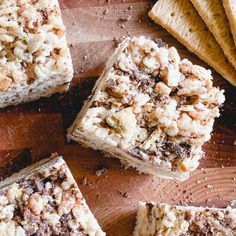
(182, 151)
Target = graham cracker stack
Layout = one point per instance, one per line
(230, 9)
(180, 18)
(213, 13)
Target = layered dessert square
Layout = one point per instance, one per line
(150, 109)
(44, 200)
(163, 219)
(35, 60)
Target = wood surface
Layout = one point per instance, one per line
(32, 131)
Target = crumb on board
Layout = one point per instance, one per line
(125, 18)
(105, 11)
(101, 171)
(208, 186)
(124, 194)
(85, 182)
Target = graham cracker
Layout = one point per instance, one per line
(230, 9)
(181, 19)
(213, 13)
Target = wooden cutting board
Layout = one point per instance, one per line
(34, 130)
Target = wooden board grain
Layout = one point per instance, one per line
(36, 129)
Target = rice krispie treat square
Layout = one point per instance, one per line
(34, 58)
(150, 109)
(163, 219)
(44, 199)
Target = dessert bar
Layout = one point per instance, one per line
(150, 109)
(35, 60)
(163, 219)
(44, 199)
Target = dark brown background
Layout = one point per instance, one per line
(37, 129)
